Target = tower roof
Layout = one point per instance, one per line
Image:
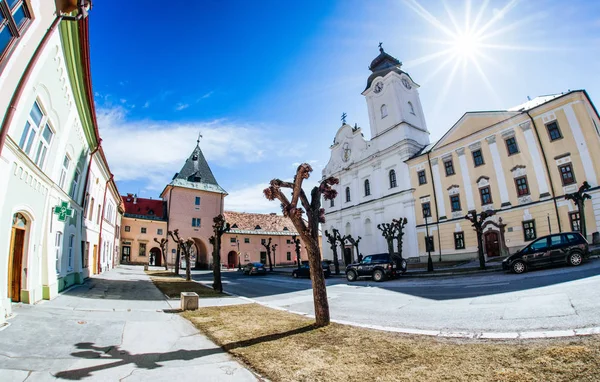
(382, 65)
(196, 174)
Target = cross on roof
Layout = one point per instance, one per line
(344, 115)
(199, 136)
(381, 47)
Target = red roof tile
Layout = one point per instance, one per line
(151, 208)
(267, 222)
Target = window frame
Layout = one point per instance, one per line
(58, 245)
(143, 230)
(64, 170)
(384, 111)
(392, 178)
(75, 184)
(33, 142)
(426, 207)
(232, 240)
(489, 194)
(197, 201)
(288, 256)
(560, 135)
(422, 176)
(480, 156)
(459, 237)
(140, 252)
(159, 231)
(246, 240)
(452, 203)
(525, 230)
(516, 145)
(127, 228)
(16, 32)
(572, 220)
(367, 186)
(348, 196)
(451, 167)
(560, 172)
(524, 177)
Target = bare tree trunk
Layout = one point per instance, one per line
(177, 259)
(318, 285)
(188, 266)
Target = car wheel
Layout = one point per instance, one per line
(378, 275)
(575, 259)
(351, 276)
(518, 267)
(294, 275)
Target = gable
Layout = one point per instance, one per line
(472, 122)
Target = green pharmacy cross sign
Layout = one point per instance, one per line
(63, 211)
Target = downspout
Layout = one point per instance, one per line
(16, 98)
(102, 221)
(437, 213)
(537, 134)
(169, 218)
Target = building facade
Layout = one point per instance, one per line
(374, 185)
(47, 134)
(519, 162)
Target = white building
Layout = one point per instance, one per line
(47, 132)
(374, 183)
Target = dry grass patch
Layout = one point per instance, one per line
(287, 347)
(172, 285)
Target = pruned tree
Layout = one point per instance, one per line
(332, 239)
(178, 256)
(388, 231)
(398, 235)
(307, 229)
(163, 249)
(219, 228)
(354, 243)
(273, 249)
(267, 245)
(477, 224)
(296, 242)
(579, 197)
(186, 247)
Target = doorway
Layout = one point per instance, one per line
(231, 257)
(126, 255)
(263, 258)
(348, 255)
(492, 243)
(95, 260)
(155, 256)
(16, 254)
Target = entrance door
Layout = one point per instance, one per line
(95, 260)
(347, 255)
(263, 258)
(492, 244)
(126, 254)
(231, 259)
(15, 271)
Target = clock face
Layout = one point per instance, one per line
(406, 83)
(378, 87)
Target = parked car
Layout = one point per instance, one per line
(569, 247)
(304, 270)
(380, 267)
(255, 269)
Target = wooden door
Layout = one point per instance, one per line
(347, 255)
(95, 260)
(492, 244)
(15, 270)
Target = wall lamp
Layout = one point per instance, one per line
(68, 6)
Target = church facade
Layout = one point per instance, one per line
(519, 162)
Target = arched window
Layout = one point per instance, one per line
(384, 111)
(393, 182)
(332, 203)
(348, 229)
(58, 247)
(368, 227)
(367, 187)
(347, 194)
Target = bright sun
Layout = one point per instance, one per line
(466, 45)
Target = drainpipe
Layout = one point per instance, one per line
(537, 134)
(16, 98)
(168, 219)
(102, 221)
(437, 214)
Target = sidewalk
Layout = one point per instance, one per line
(111, 328)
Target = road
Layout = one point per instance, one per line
(548, 299)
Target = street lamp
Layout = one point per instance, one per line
(239, 258)
(427, 246)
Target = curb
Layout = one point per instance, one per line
(522, 335)
(418, 274)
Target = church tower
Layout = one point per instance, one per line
(395, 112)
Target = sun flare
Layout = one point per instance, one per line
(466, 45)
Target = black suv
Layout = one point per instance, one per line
(379, 267)
(570, 247)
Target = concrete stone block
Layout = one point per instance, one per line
(145, 267)
(189, 301)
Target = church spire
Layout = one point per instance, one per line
(196, 173)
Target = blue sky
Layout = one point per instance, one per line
(266, 82)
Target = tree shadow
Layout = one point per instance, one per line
(151, 361)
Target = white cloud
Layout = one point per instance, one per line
(207, 95)
(150, 151)
(180, 106)
(147, 104)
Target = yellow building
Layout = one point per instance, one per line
(519, 162)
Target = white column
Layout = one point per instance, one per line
(491, 140)
(464, 170)
(586, 158)
(438, 187)
(536, 159)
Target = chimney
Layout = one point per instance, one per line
(273, 214)
(135, 199)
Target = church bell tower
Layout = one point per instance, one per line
(393, 102)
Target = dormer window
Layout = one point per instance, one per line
(234, 226)
(411, 108)
(150, 212)
(384, 111)
(285, 229)
(257, 227)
